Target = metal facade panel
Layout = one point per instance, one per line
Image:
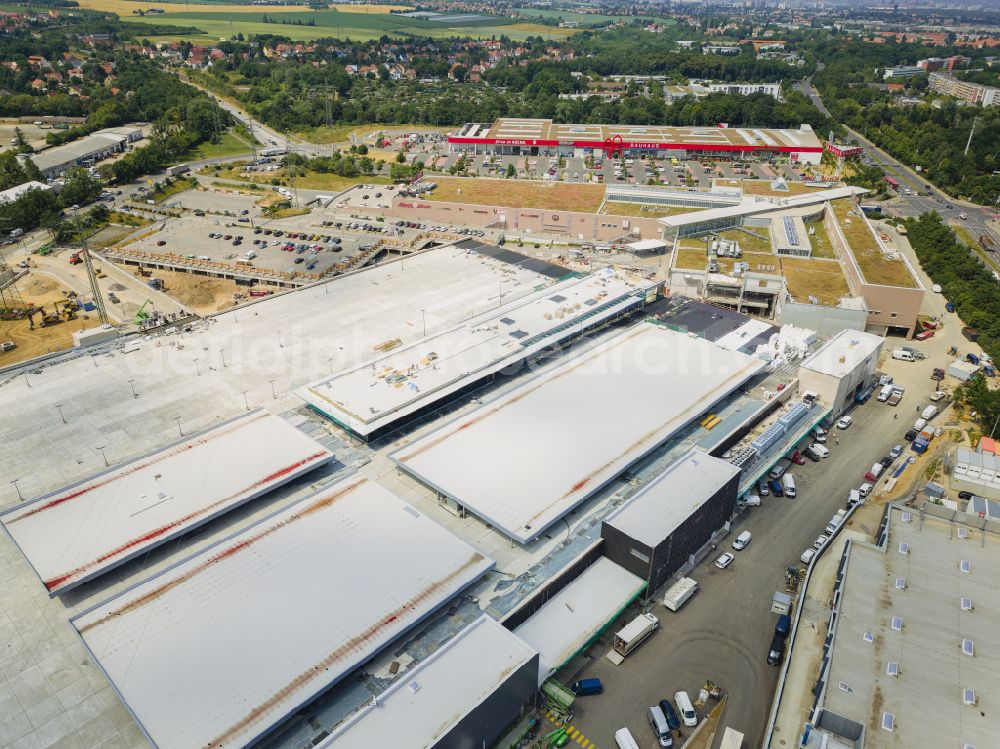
(84, 530)
(219, 648)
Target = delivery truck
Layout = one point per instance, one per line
(678, 593)
(629, 637)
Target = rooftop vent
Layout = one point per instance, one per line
(888, 721)
(897, 623)
(966, 604)
(907, 517)
(969, 697)
(965, 566)
(963, 533)
(892, 669)
(967, 647)
(844, 686)
(869, 637)
(900, 583)
(904, 548)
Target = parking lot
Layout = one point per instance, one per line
(313, 247)
(212, 201)
(722, 634)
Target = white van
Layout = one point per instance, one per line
(658, 722)
(884, 393)
(788, 484)
(902, 355)
(688, 715)
(742, 541)
(929, 413)
(919, 425)
(821, 450)
(624, 739)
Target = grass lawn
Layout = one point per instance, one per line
(289, 212)
(763, 187)
(556, 196)
(820, 241)
(875, 266)
(645, 211)
(181, 185)
(749, 243)
(239, 186)
(342, 133)
(228, 145)
(691, 258)
(821, 278)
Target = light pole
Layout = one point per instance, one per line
(59, 409)
(274, 395)
(131, 384)
(246, 401)
(105, 457)
(17, 489)
(197, 367)
(178, 420)
(423, 320)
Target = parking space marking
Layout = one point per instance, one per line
(574, 733)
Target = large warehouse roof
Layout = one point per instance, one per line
(578, 613)
(84, 530)
(423, 705)
(217, 649)
(195, 379)
(653, 513)
(380, 392)
(529, 457)
(916, 628)
(537, 132)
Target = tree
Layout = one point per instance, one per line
(20, 143)
(79, 188)
(511, 171)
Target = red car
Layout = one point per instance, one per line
(923, 336)
(798, 459)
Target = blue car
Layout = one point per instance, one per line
(776, 489)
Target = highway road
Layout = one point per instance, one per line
(930, 197)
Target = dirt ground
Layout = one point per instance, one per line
(201, 294)
(40, 290)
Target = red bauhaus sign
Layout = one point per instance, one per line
(844, 151)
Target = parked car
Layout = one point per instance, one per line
(742, 541)
(762, 488)
(776, 488)
(587, 687)
(797, 458)
(819, 434)
(725, 559)
(673, 722)
(807, 556)
(820, 542)
(910, 435)
(845, 422)
(924, 335)
(896, 451)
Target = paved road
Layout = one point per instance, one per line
(913, 205)
(723, 633)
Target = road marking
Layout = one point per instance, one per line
(574, 733)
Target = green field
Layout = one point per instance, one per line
(332, 23)
(585, 18)
(228, 145)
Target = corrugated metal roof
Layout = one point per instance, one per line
(578, 612)
(219, 648)
(652, 514)
(423, 705)
(529, 457)
(86, 529)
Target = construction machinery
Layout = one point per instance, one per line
(141, 315)
(50, 319)
(143, 273)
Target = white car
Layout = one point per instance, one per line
(896, 451)
(820, 542)
(845, 422)
(865, 489)
(807, 556)
(725, 559)
(937, 395)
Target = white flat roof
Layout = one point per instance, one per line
(380, 392)
(198, 379)
(420, 707)
(758, 206)
(84, 530)
(578, 613)
(647, 245)
(524, 460)
(217, 649)
(653, 513)
(842, 353)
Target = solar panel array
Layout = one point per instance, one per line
(790, 232)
